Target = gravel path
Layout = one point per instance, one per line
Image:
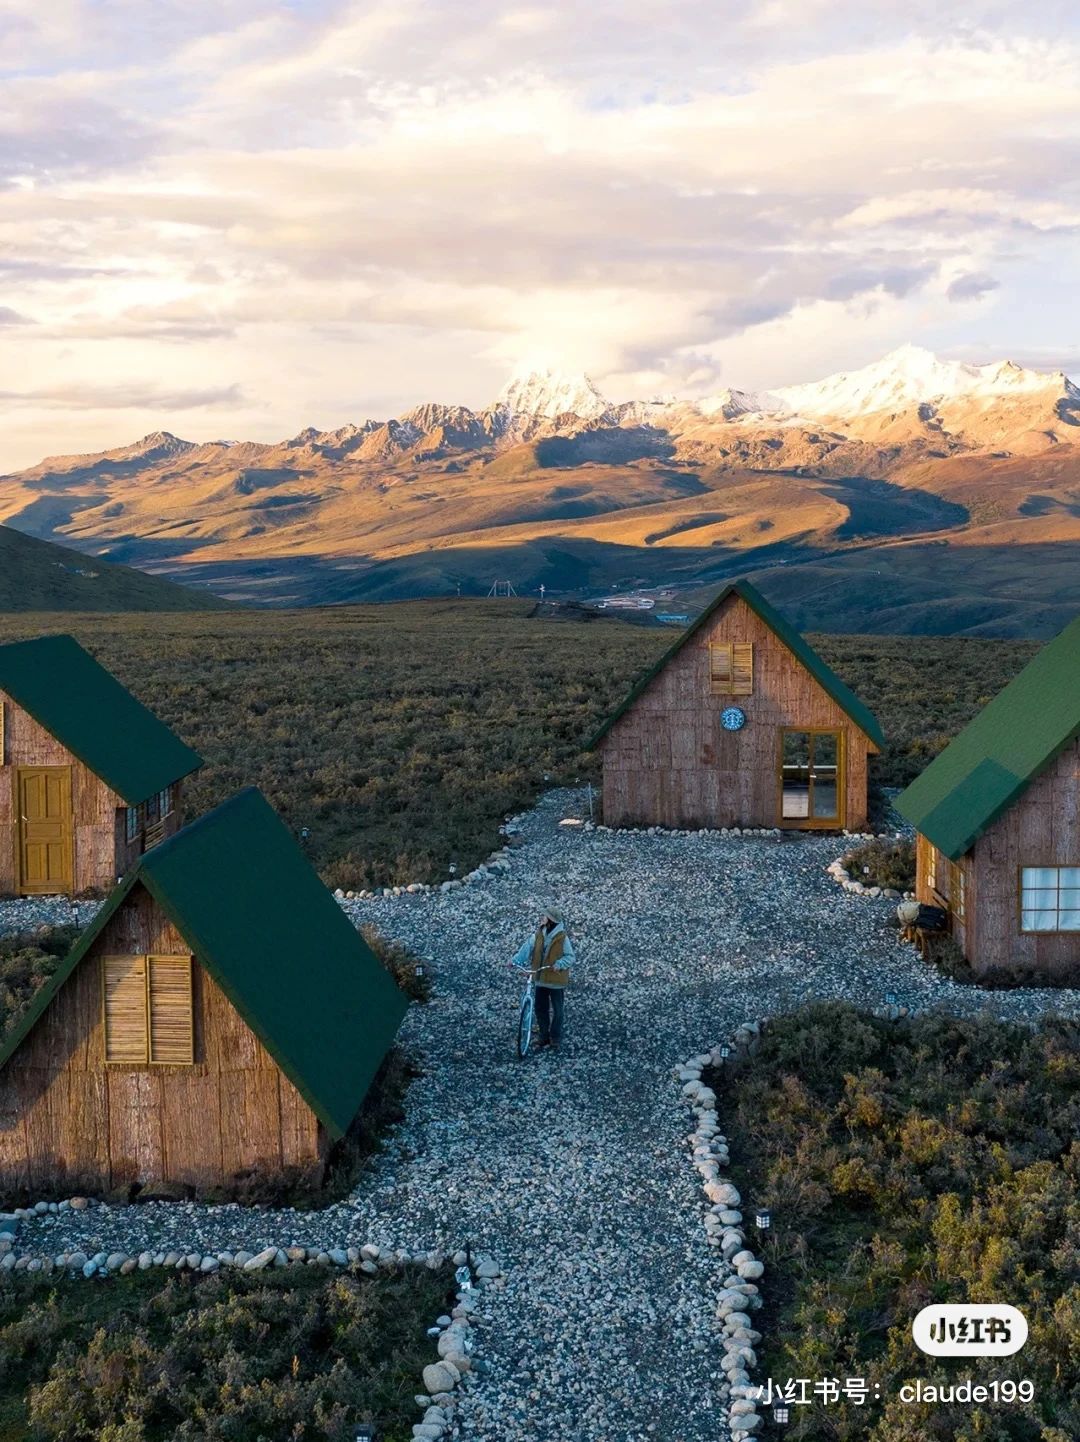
(573, 1169)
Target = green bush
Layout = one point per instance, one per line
(297, 1354)
(883, 863)
(27, 960)
(931, 1160)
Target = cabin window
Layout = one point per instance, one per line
(931, 867)
(131, 823)
(148, 1011)
(731, 668)
(152, 808)
(957, 891)
(165, 802)
(1050, 898)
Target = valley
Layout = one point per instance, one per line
(913, 495)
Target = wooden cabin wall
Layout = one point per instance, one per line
(128, 852)
(668, 761)
(1042, 829)
(93, 804)
(934, 886)
(69, 1122)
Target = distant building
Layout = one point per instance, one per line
(89, 778)
(740, 723)
(998, 818)
(220, 1018)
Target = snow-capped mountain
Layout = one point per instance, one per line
(550, 393)
(911, 376)
(729, 405)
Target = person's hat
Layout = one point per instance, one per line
(553, 914)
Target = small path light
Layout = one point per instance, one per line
(890, 998)
(762, 1219)
(365, 1432)
(781, 1414)
(463, 1277)
(452, 868)
(725, 1052)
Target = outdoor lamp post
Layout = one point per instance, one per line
(762, 1219)
(365, 1432)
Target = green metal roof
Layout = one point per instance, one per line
(257, 917)
(844, 697)
(987, 767)
(88, 711)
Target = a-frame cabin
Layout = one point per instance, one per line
(740, 723)
(220, 1018)
(998, 821)
(89, 778)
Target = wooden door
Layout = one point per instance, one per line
(45, 832)
(812, 778)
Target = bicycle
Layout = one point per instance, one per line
(527, 1011)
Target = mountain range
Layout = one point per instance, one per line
(914, 494)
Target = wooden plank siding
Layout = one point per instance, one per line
(668, 762)
(69, 1121)
(100, 846)
(1041, 829)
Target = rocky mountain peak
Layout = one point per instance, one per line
(550, 393)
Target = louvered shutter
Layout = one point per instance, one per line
(720, 665)
(742, 668)
(126, 1037)
(171, 1039)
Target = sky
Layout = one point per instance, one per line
(236, 219)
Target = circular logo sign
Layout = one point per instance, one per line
(732, 719)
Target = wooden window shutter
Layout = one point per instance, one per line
(171, 1028)
(126, 1038)
(742, 668)
(720, 667)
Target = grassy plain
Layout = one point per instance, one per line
(927, 1161)
(231, 1357)
(401, 735)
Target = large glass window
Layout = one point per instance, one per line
(811, 779)
(1050, 898)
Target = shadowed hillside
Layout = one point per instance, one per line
(38, 576)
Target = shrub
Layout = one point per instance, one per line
(297, 1354)
(932, 1159)
(27, 960)
(890, 863)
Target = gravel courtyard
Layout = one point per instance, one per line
(572, 1170)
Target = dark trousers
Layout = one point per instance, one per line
(549, 1012)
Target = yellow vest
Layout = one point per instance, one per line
(545, 959)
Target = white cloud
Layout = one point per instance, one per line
(210, 191)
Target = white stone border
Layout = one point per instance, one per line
(839, 872)
(454, 1331)
(739, 1294)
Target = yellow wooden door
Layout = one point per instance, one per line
(46, 847)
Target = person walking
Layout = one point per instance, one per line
(549, 954)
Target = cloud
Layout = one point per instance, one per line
(125, 396)
(323, 197)
(972, 286)
(13, 317)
